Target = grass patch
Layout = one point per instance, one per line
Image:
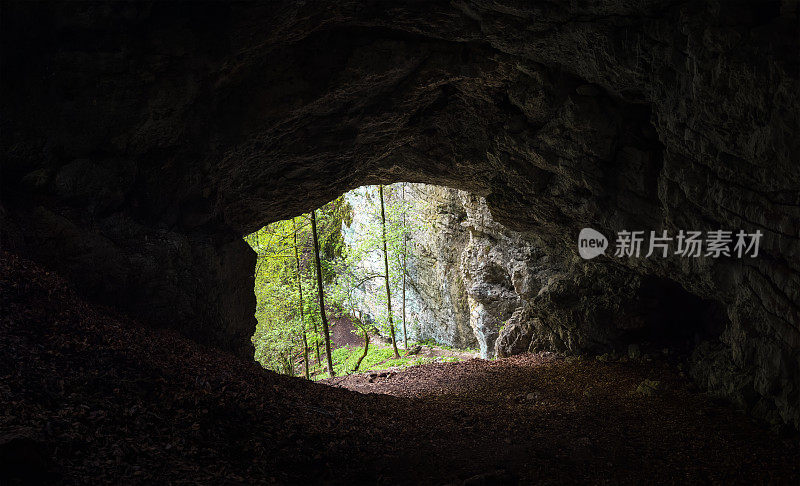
(378, 358)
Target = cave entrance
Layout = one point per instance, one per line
(666, 316)
(461, 285)
(418, 232)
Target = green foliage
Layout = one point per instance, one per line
(375, 355)
(278, 335)
(361, 278)
(352, 272)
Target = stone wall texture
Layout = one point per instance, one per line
(141, 140)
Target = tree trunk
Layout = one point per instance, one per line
(405, 333)
(316, 342)
(386, 267)
(305, 354)
(300, 291)
(321, 294)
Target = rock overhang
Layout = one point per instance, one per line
(146, 156)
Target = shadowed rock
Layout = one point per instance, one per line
(140, 141)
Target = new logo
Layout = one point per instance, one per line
(591, 243)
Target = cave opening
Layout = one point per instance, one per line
(419, 233)
(665, 316)
(461, 285)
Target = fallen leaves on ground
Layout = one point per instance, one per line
(88, 396)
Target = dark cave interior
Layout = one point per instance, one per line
(141, 141)
(673, 317)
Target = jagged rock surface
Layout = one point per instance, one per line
(439, 296)
(140, 141)
(499, 270)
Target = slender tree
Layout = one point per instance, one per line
(403, 233)
(316, 342)
(282, 320)
(386, 268)
(321, 293)
(300, 293)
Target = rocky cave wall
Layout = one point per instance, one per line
(140, 141)
(466, 273)
(435, 280)
(473, 282)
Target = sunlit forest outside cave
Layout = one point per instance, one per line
(351, 232)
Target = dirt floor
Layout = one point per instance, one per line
(89, 397)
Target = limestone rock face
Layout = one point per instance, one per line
(499, 272)
(436, 288)
(140, 141)
(517, 334)
(522, 299)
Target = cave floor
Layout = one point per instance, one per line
(88, 396)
